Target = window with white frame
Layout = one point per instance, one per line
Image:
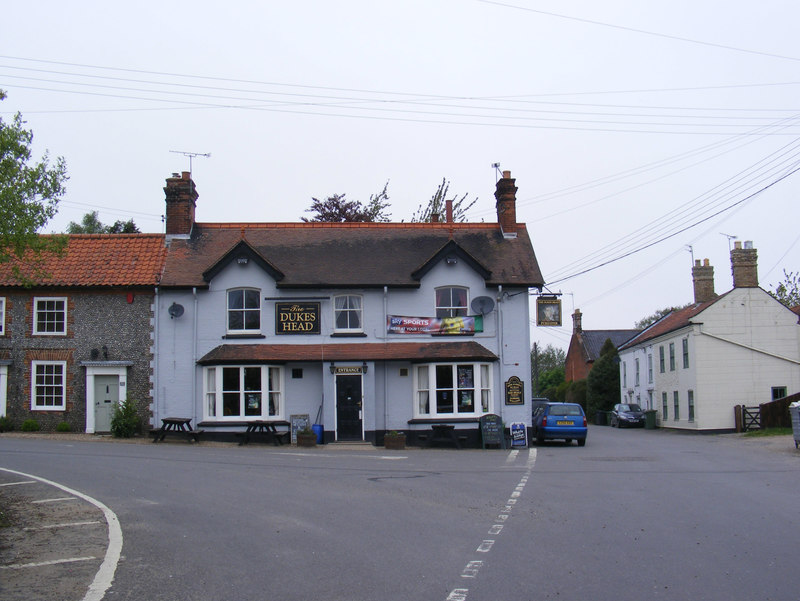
(244, 311)
(452, 390)
(685, 342)
(636, 372)
(661, 359)
(451, 301)
(676, 406)
(50, 315)
(624, 374)
(48, 385)
(347, 313)
(649, 369)
(690, 400)
(664, 407)
(240, 392)
(672, 356)
(2, 316)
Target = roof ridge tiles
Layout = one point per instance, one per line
(347, 225)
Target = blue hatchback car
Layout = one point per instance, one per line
(559, 421)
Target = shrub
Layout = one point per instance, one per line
(125, 421)
(30, 425)
(6, 425)
(63, 427)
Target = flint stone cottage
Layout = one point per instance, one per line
(80, 338)
(362, 327)
(696, 364)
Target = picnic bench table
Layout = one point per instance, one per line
(444, 433)
(176, 425)
(267, 428)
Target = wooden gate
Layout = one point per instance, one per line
(750, 418)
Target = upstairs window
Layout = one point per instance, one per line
(244, 311)
(661, 359)
(672, 356)
(2, 316)
(451, 302)
(685, 353)
(649, 369)
(636, 373)
(347, 313)
(50, 316)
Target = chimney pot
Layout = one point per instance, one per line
(181, 196)
(506, 196)
(703, 281)
(577, 321)
(744, 265)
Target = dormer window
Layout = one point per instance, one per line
(244, 311)
(347, 313)
(451, 302)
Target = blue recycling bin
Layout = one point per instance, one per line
(319, 430)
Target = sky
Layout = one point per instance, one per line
(642, 135)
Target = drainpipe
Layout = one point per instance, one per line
(156, 310)
(194, 359)
(385, 371)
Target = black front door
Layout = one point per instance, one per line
(348, 407)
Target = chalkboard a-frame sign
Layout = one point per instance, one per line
(492, 431)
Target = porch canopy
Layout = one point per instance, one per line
(397, 351)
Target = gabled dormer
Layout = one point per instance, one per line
(451, 254)
(242, 254)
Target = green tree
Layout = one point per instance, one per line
(549, 383)
(544, 360)
(651, 319)
(788, 291)
(337, 209)
(602, 384)
(29, 196)
(91, 224)
(438, 203)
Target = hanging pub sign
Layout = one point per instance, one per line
(467, 324)
(548, 311)
(297, 318)
(515, 391)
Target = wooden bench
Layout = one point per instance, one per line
(191, 435)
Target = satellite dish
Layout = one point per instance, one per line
(482, 304)
(175, 310)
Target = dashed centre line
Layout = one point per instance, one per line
(474, 566)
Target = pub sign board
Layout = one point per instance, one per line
(515, 391)
(297, 318)
(548, 311)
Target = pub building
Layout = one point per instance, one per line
(361, 328)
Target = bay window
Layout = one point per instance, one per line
(451, 390)
(243, 392)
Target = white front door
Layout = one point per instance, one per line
(106, 397)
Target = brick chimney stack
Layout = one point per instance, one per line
(577, 322)
(744, 265)
(703, 279)
(181, 196)
(506, 195)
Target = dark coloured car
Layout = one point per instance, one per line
(627, 415)
(559, 421)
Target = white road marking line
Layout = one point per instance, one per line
(17, 483)
(52, 500)
(458, 594)
(485, 546)
(19, 566)
(105, 575)
(512, 456)
(62, 525)
(471, 569)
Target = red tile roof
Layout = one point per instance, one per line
(390, 351)
(353, 254)
(97, 260)
(671, 322)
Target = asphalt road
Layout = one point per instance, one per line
(633, 515)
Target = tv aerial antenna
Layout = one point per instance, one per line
(191, 155)
(729, 237)
(496, 167)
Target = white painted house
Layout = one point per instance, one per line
(369, 326)
(696, 364)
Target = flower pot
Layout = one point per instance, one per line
(396, 441)
(306, 439)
